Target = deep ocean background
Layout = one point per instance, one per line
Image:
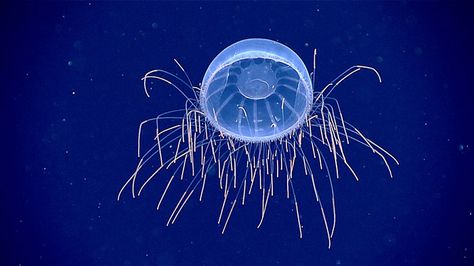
(72, 99)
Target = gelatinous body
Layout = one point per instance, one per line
(255, 121)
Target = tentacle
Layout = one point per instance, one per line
(344, 75)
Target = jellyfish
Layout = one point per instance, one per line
(255, 118)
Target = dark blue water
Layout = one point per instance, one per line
(72, 100)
